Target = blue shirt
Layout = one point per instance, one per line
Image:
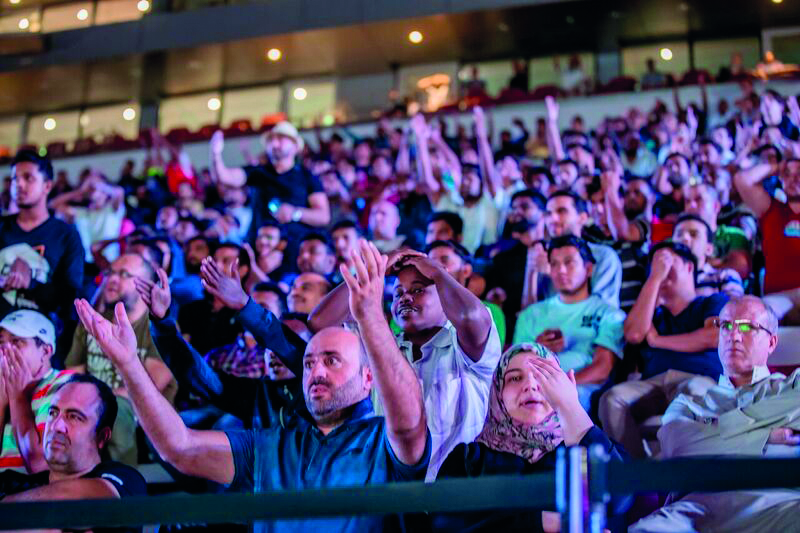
(300, 457)
(706, 363)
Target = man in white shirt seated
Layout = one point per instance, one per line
(750, 413)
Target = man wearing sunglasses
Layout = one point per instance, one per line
(750, 413)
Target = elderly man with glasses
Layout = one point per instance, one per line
(750, 413)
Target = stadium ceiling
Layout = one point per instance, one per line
(180, 52)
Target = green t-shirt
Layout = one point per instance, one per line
(729, 238)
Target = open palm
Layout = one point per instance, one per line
(156, 296)
(117, 339)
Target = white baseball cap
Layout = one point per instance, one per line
(286, 129)
(30, 324)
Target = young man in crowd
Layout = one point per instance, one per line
(344, 235)
(81, 414)
(316, 256)
(27, 384)
(41, 257)
(86, 353)
(579, 327)
(444, 226)
(447, 334)
(675, 328)
(779, 224)
(748, 413)
(567, 214)
(207, 323)
(693, 231)
(337, 377)
(384, 220)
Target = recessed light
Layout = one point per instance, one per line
(50, 124)
(24, 24)
(300, 94)
(84, 120)
(274, 54)
(415, 37)
(129, 113)
(82, 14)
(14, 2)
(666, 54)
(214, 104)
(143, 5)
(777, 1)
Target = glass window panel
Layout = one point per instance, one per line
(52, 127)
(189, 112)
(250, 104)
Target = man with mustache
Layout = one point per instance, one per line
(449, 338)
(75, 440)
(343, 444)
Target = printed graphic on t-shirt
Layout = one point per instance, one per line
(34, 258)
(792, 229)
(592, 321)
(101, 367)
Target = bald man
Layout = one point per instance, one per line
(750, 413)
(342, 444)
(384, 219)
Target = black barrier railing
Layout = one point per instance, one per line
(579, 489)
(455, 495)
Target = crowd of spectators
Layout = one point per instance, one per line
(411, 306)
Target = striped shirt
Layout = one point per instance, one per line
(712, 280)
(10, 457)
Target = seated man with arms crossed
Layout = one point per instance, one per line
(343, 444)
(750, 413)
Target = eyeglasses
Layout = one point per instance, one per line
(745, 327)
(123, 274)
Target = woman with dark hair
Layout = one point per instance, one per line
(533, 410)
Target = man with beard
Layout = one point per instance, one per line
(345, 235)
(75, 438)
(580, 328)
(624, 223)
(37, 251)
(87, 356)
(780, 229)
(188, 288)
(342, 444)
(447, 335)
(283, 190)
(670, 179)
(512, 278)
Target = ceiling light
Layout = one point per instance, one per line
(214, 104)
(666, 54)
(300, 94)
(14, 2)
(50, 124)
(129, 113)
(83, 14)
(143, 5)
(274, 54)
(24, 24)
(777, 1)
(415, 37)
(84, 120)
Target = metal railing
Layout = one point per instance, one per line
(582, 484)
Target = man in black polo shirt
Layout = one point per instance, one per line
(75, 437)
(38, 252)
(283, 189)
(343, 444)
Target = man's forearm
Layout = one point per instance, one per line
(333, 310)
(620, 226)
(316, 217)
(467, 313)
(23, 424)
(225, 175)
(640, 319)
(158, 418)
(699, 340)
(70, 489)
(554, 140)
(398, 388)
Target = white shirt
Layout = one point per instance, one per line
(455, 389)
(98, 225)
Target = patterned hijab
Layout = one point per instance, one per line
(504, 434)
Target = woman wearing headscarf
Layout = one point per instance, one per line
(533, 410)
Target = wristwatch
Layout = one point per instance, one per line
(297, 215)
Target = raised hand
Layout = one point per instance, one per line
(217, 142)
(117, 339)
(227, 286)
(558, 387)
(661, 265)
(18, 372)
(425, 265)
(3, 388)
(20, 275)
(552, 108)
(156, 296)
(480, 120)
(419, 126)
(397, 258)
(691, 121)
(366, 287)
